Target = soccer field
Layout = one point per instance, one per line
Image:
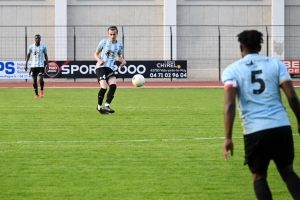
(160, 144)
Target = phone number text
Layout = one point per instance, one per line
(167, 75)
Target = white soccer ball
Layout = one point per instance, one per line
(138, 80)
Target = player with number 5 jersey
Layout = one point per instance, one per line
(256, 81)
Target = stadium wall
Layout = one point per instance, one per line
(196, 33)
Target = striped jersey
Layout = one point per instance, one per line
(37, 54)
(109, 51)
(257, 79)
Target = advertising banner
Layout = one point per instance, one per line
(87, 69)
(14, 70)
(149, 69)
(293, 67)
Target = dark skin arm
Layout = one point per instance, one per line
(27, 58)
(46, 58)
(229, 115)
(292, 98)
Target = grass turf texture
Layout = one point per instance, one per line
(160, 144)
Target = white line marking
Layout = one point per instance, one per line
(109, 141)
(126, 107)
(126, 87)
(115, 141)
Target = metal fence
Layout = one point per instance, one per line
(207, 49)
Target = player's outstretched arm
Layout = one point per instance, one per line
(229, 115)
(293, 99)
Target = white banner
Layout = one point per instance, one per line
(14, 70)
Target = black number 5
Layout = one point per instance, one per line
(259, 80)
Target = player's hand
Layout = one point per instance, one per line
(123, 63)
(228, 146)
(101, 62)
(25, 67)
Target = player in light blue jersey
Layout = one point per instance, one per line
(38, 52)
(256, 81)
(110, 50)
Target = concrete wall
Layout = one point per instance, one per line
(100, 17)
(292, 19)
(143, 24)
(27, 13)
(15, 15)
(199, 44)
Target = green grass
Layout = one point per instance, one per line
(160, 144)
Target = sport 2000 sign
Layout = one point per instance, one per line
(149, 69)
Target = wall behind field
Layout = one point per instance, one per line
(199, 44)
(15, 15)
(199, 24)
(90, 17)
(292, 43)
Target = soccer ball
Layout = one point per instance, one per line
(138, 80)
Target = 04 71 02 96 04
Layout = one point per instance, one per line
(167, 75)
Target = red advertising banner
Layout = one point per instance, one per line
(293, 67)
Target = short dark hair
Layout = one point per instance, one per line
(112, 28)
(251, 40)
(37, 35)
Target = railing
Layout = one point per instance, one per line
(207, 49)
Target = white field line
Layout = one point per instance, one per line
(130, 87)
(125, 107)
(51, 87)
(110, 141)
(113, 141)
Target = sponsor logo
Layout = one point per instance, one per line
(292, 66)
(52, 70)
(83, 69)
(167, 64)
(131, 69)
(7, 67)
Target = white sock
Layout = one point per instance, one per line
(99, 107)
(106, 104)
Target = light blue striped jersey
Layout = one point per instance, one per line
(258, 80)
(37, 54)
(109, 51)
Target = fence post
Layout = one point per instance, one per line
(74, 44)
(74, 47)
(25, 45)
(267, 41)
(123, 42)
(123, 45)
(219, 53)
(171, 45)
